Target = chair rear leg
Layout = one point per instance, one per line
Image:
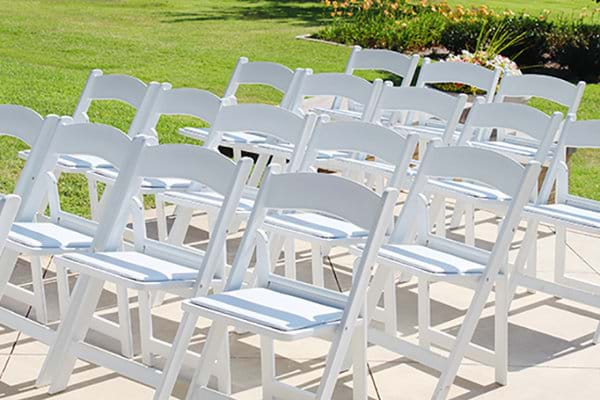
(93, 193)
(64, 291)
(161, 219)
(267, 362)
(318, 276)
(8, 261)
(145, 315)
(183, 217)
(289, 254)
(125, 326)
(424, 311)
(37, 277)
(360, 370)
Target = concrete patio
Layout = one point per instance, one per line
(551, 350)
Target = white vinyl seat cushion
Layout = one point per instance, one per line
(46, 235)
(566, 213)
(287, 149)
(338, 113)
(148, 183)
(135, 266)
(470, 189)
(317, 225)
(429, 260)
(207, 198)
(228, 137)
(75, 161)
(270, 308)
(507, 148)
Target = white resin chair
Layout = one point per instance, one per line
(337, 86)
(270, 121)
(9, 206)
(150, 267)
(62, 232)
(422, 104)
(460, 72)
(533, 125)
(430, 258)
(392, 153)
(393, 62)
(282, 309)
(276, 76)
(190, 102)
(568, 212)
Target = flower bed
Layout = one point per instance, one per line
(573, 45)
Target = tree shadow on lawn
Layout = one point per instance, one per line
(301, 12)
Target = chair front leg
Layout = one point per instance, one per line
(8, 262)
(470, 224)
(145, 315)
(360, 370)
(60, 361)
(93, 193)
(318, 276)
(289, 254)
(501, 329)
(64, 291)
(161, 219)
(267, 362)
(176, 357)
(125, 326)
(424, 311)
(183, 217)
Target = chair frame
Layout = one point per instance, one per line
(293, 191)
(464, 162)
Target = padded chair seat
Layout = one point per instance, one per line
(287, 148)
(148, 183)
(206, 197)
(425, 131)
(272, 309)
(338, 113)
(507, 147)
(76, 161)
(470, 189)
(317, 225)
(566, 213)
(134, 265)
(46, 235)
(429, 260)
(228, 137)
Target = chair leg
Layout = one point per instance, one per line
(60, 361)
(470, 225)
(529, 241)
(560, 248)
(64, 292)
(318, 277)
(389, 302)
(459, 210)
(217, 336)
(161, 219)
(183, 217)
(424, 311)
(93, 192)
(237, 154)
(531, 267)
(145, 314)
(267, 362)
(125, 326)
(176, 357)
(360, 371)
(289, 254)
(501, 329)
(37, 277)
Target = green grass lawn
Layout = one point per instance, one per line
(47, 49)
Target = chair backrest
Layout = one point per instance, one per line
(425, 102)
(539, 128)
(338, 85)
(104, 141)
(460, 72)
(270, 121)
(9, 206)
(483, 166)
(191, 102)
(203, 166)
(575, 134)
(542, 86)
(396, 63)
(321, 193)
(271, 74)
(124, 88)
(367, 138)
(20, 122)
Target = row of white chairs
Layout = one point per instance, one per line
(320, 142)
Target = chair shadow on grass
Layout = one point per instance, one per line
(302, 12)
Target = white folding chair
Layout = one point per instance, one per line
(338, 86)
(9, 206)
(473, 75)
(63, 231)
(393, 62)
(279, 308)
(190, 102)
(291, 132)
(534, 126)
(152, 266)
(432, 259)
(568, 212)
(422, 104)
(392, 153)
(276, 76)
